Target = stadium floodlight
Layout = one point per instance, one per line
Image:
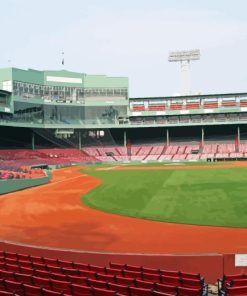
(184, 57)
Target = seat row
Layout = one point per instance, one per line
(20, 289)
(233, 285)
(62, 276)
(42, 263)
(37, 286)
(44, 270)
(99, 280)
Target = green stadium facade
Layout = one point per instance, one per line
(65, 103)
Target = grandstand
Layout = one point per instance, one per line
(94, 115)
(53, 119)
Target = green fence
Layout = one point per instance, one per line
(10, 185)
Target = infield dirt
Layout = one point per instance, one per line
(53, 216)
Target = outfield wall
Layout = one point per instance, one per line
(11, 185)
(211, 266)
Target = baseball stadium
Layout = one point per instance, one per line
(106, 194)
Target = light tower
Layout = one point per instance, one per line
(184, 57)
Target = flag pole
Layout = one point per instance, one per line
(63, 58)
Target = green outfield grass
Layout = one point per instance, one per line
(199, 196)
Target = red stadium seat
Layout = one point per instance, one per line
(125, 281)
(2, 284)
(97, 284)
(7, 275)
(238, 282)
(103, 292)
(151, 277)
(46, 292)
(23, 278)
(54, 269)
(66, 264)
(70, 271)
(88, 273)
(168, 280)
(236, 291)
(27, 264)
(187, 275)
(41, 282)
(78, 290)
(169, 273)
(12, 267)
(26, 270)
(169, 289)
(132, 274)
(150, 270)
(60, 286)
(106, 277)
(79, 280)
(98, 269)
(23, 257)
(140, 292)
(121, 289)
(191, 283)
(144, 284)
(133, 268)
(81, 266)
(11, 255)
(39, 266)
(188, 291)
(14, 287)
(5, 293)
(30, 290)
(36, 259)
(156, 293)
(51, 262)
(42, 274)
(58, 277)
(117, 265)
(228, 278)
(114, 271)
(11, 261)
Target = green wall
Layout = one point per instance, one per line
(40, 77)
(11, 185)
(104, 81)
(31, 76)
(5, 74)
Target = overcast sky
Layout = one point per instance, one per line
(130, 38)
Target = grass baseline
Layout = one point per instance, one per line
(215, 197)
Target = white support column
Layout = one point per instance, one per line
(79, 140)
(185, 78)
(33, 141)
(167, 137)
(239, 138)
(202, 136)
(125, 139)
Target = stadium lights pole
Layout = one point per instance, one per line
(184, 57)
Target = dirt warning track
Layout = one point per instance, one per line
(53, 215)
